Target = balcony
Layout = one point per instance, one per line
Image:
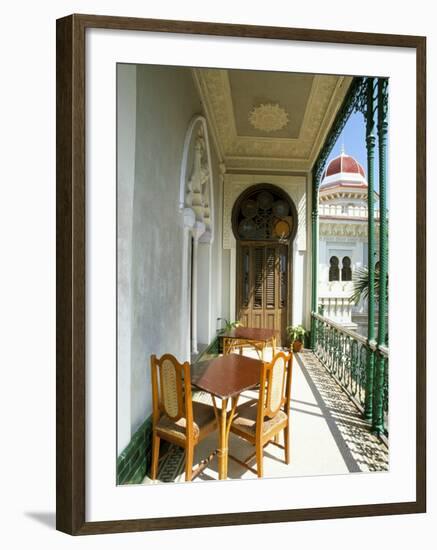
(336, 211)
(327, 405)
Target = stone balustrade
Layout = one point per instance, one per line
(350, 211)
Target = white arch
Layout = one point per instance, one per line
(196, 204)
(203, 214)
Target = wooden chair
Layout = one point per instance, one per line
(261, 420)
(176, 417)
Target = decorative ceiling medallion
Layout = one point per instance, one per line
(268, 117)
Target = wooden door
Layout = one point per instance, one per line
(263, 286)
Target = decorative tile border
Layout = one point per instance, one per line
(134, 461)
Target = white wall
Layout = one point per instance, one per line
(151, 230)
(126, 123)
(28, 340)
(151, 299)
(336, 246)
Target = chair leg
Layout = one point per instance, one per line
(189, 452)
(287, 444)
(259, 459)
(155, 455)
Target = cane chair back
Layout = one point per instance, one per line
(171, 388)
(260, 421)
(275, 395)
(176, 418)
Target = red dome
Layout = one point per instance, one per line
(344, 164)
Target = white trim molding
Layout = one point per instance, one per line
(196, 184)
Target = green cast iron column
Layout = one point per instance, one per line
(378, 414)
(370, 144)
(349, 105)
(314, 255)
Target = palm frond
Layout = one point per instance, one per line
(361, 284)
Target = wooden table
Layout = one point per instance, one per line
(226, 377)
(259, 338)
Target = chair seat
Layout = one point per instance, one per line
(245, 420)
(203, 416)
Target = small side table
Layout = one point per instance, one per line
(259, 338)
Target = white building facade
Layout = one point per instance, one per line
(343, 245)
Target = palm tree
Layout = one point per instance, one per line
(361, 284)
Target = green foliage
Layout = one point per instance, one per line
(296, 332)
(361, 284)
(229, 325)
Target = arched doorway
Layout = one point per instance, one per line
(264, 222)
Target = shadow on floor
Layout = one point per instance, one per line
(45, 518)
(357, 445)
(352, 448)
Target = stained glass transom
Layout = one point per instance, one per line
(264, 215)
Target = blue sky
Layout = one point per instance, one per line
(353, 137)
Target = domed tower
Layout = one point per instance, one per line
(343, 238)
(343, 190)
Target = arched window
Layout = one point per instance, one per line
(334, 272)
(346, 271)
(265, 214)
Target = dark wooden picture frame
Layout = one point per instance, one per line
(70, 204)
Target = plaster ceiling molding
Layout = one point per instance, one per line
(250, 89)
(329, 95)
(207, 110)
(267, 164)
(324, 99)
(217, 95)
(271, 149)
(268, 117)
(318, 113)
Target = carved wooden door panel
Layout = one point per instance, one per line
(262, 286)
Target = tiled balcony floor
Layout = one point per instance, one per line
(328, 435)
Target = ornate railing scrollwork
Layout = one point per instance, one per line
(345, 355)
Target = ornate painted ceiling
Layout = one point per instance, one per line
(269, 121)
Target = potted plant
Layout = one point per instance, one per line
(296, 334)
(232, 324)
(228, 325)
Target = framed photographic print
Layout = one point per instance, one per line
(241, 323)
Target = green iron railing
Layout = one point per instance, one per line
(345, 354)
(382, 352)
